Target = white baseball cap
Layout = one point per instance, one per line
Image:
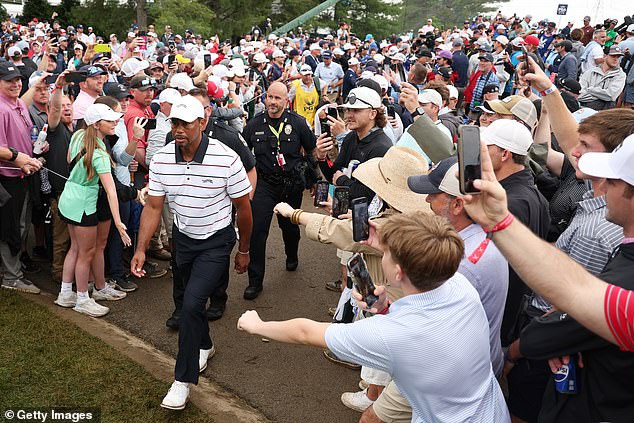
(169, 95)
(381, 80)
(348, 46)
(14, 51)
(220, 71)
(430, 96)
(239, 70)
(315, 46)
(260, 58)
(132, 66)
(96, 112)
(305, 70)
(509, 135)
(453, 91)
(363, 98)
(502, 39)
(353, 61)
(278, 53)
(614, 165)
(188, 108)
(378, 58)
(181, 81)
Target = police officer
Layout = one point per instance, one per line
(277, 137)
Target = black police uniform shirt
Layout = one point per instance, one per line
(605, 383)
(294, 134)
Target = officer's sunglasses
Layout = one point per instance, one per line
(352, 98)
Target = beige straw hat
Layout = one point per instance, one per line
(387, 177)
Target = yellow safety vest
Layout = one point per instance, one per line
(305, 104)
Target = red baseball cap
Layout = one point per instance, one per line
(214, 91)
(531, 40)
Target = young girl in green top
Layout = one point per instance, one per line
(86, 215)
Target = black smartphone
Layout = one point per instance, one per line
(469, 163)
(526, 66)
(207, 58)
(361, 279)
(150, 124)
(360, 217)
(75, 77)
(321, 192)
(51, 79)
(340, 201)
(170, 60)
(391, 111)
(332, 111)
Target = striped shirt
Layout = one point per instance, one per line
(436, 347)
(199, 192)
(619, 313)
(589, 239)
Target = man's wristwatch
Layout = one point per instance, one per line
(14, 154)
(418, 112)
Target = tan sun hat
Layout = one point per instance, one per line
(387, 177)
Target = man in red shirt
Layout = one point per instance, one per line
(143, 90)
(588, 31)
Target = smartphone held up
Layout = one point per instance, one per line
(469, 160)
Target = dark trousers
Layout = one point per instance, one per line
(265, 198)
(202, 264)
(114, 247)
(218, 298)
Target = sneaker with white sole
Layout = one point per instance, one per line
(22, 285)
(177, 396)
(66, 299)
(357, 401)
(204, 356)
(108, 294)
(91, 285)
(91, 308)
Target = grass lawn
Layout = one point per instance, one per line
(46, 361)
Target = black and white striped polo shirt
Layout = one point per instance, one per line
(199, 192)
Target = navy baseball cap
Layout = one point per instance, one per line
(327, 54)
(118, 91)
(95, 71)
(441, 178)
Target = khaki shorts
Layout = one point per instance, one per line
(344, 256)
(392, 407)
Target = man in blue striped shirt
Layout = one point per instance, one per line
(434, 340)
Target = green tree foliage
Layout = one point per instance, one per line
(36, 9)
(365, 16)
(65, 11)
(183, 14)
(105, 17)
(445, 13)
(4, 15)
(237, 17)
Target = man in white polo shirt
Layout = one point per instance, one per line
(201, 178)
(434, 341)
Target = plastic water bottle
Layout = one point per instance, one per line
(38, 138)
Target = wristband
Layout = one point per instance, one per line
(503, 224)
(14, 154)
(385, 310)
(244, 254)
(550, 90)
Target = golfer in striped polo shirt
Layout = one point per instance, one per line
(201, 178)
